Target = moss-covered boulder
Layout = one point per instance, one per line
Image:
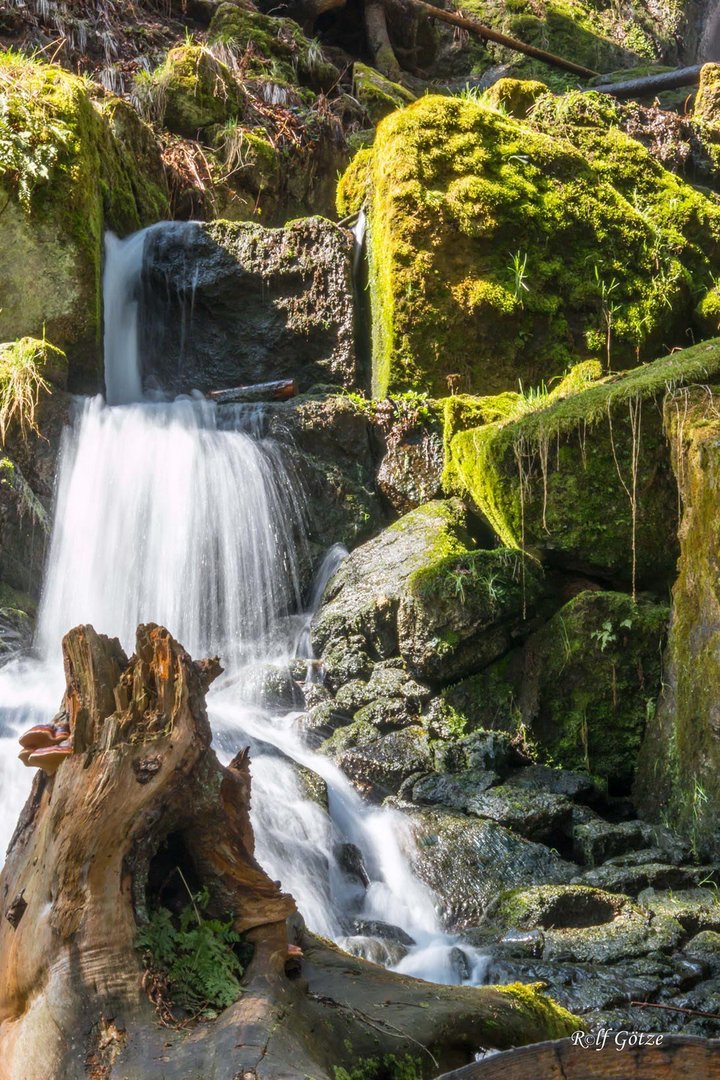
(71, 166)
(377, 94)
(679, 768)
(190, 91)
(707, 99)
(584, 478)
(270, 46)
(515, 97)
(592, 678)
(499, 251)
(422, 590)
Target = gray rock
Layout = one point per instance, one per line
(410, 473)
(421, 590)
(574, 785)
(598, 840)
(375, 949)
(467, 862)
(379, 929)
(632, 880)
(454, 790)
(705, 946)
(538, 816)
(377, 764)
(248, 305)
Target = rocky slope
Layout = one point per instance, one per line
(508, 415)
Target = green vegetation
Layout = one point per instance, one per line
(195, 956)
(504, 251)
(546, 476)
(24, 365)
(388, 1067)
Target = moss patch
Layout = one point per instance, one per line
(69, 168)
(546, 478)
(378, 95)
(500, 252)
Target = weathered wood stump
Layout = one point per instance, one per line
(142, 792)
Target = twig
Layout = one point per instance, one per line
(674, 1008)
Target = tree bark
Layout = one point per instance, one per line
(379, 42)
(651, 84)
(84, 864)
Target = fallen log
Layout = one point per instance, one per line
(140, 817)
(474, 26)
(650, 84)
(280, 390)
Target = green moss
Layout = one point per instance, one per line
(388, 1067)
(190, 91)
(707, 313)
(514, 97)
(378, 95)
(551, 1018)
(546, 478)
(354, 185)
(679, 770)
(707, 99)
(272, 46)
(593, 675)
(69, 167)
(501, 252)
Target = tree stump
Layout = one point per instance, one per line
(141, 793)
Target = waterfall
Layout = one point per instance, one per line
(183, 513)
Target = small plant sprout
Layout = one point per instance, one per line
(518, 267)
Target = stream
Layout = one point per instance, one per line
(186, 514)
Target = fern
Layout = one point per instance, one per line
(195, 955)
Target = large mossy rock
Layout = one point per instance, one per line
(584, 478)
(679, 768)
(190, 91)
(71, 165)
(249, 304)
(501, 252)
(422, 589)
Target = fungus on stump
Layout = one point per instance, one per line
(83, 863)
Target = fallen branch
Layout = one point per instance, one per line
(267, 391)
(673, 1008)
(474, 26)
(651, 84)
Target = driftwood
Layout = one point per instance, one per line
(474, 26)
(141, 795)
(676, 1056)
(651, 84)
(279, 390)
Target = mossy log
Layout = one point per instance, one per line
(143, 785)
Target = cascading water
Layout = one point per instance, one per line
(182, 513)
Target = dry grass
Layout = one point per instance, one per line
(21, 383)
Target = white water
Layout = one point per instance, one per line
(181, 514)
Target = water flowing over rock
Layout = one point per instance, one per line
(227, 303)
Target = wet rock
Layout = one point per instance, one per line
(468, 862)
(573, 785)
(378, 764)
(705, 946)
(522, 943)
(16, 630)
(331, 441)
(386, 931)
(695, 909)
(410, 473)
(248, 305)
(485, 750)
(350, 859)
(320, 721)
(454, 790)
(598, 840)
(629, 934)
(421, 590)
(312, 786)
(274, 686)
(346, 659)
(387, 713)
(375, 949)
(632, 880)
(539, 816)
